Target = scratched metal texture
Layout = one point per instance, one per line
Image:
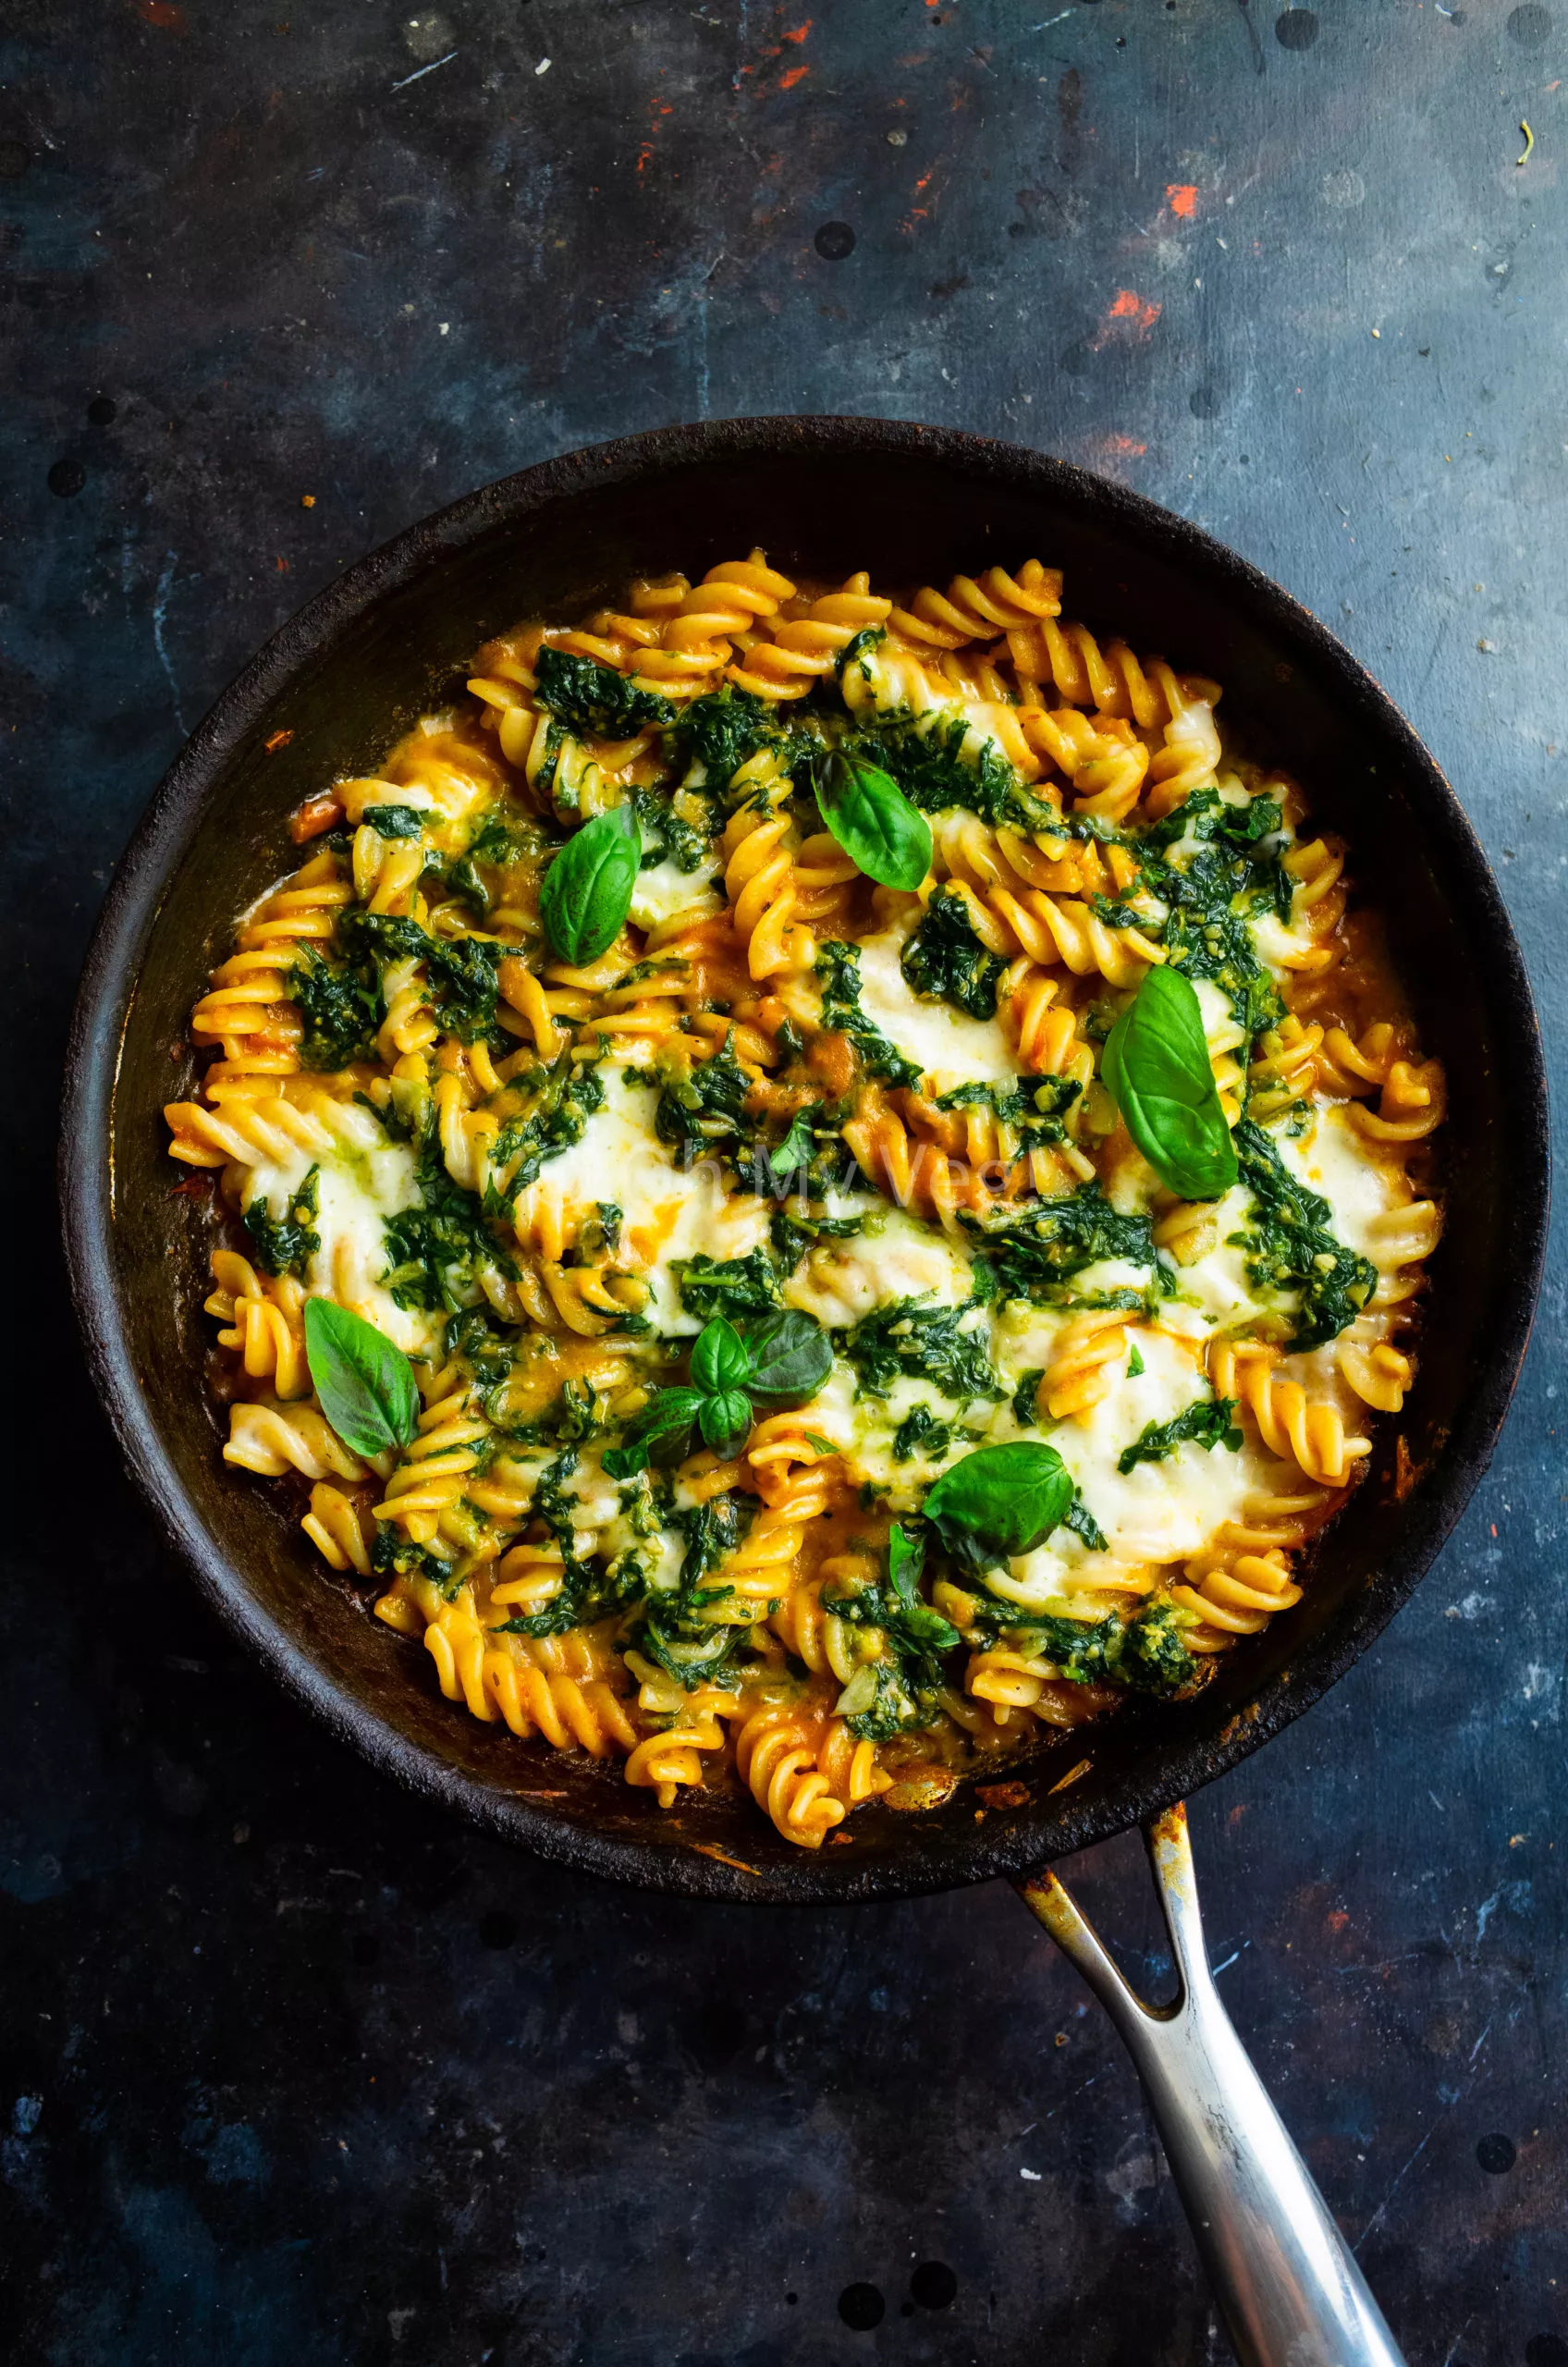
(294, 2072)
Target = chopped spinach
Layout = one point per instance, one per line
(285, 1245)
(901, 1688)
(461, 973)
(594, 699)
(1081, 1522)
(794, 1235)
(342, 1010)
(688, 1633)
(1206, 1422)
(669, 835)
(944, 956)
(561, 1099)
(395, 821)
(921, 1433)
(435, 1250)
(724, 727)
(1036, 1256)
(924, 1343)
(730, 1286)
(839, 968)
(705, 1111)
(1290, 1245)
(926, 759)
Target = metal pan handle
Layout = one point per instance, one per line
(1287, 2283)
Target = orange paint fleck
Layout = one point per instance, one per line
(1128, 313)
(799, 32)
(282, 564)
(162, 13)
(1183, 198)
(1339, 1919)
(796, 74)
(645, 154)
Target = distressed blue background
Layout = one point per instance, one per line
(290, 2070)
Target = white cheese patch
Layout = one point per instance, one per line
(951, 1048)
(1157, 1512)
(893, 1256)
(1335, 1160)
(865, 1429)
(668, 1213)
(664, 893)
(364, 1180)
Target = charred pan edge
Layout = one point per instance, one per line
(1052, 1826)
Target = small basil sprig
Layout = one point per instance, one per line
(799, 1145)
(1157, 1069)
(366, 1386)
(587, 889)
(784, 1356)
(871, 819)
(999, 1501)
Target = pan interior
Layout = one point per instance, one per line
(391, 640)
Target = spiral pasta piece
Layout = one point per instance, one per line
(775, 1750)
(1230, 1594)
(796, 651)
(1292, 1426)
(759, 879)
(1090, 1352)
(337, 1530)
(271, 1439)
(980, 608)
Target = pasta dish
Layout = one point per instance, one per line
(814, 1184)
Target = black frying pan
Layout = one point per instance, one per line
(824, 496)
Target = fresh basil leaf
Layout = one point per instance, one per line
(791, 1354)
(795, 1150)
(906, 1555)
(366, 1386)
(1156, 1069)
(587, 891)
(1010, 1498)
(719, 1360)
(660, 1434)
(725, 1419)
(871, 819)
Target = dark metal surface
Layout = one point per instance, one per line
(319, 702)
(417, 2097)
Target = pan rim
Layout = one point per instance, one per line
(107, 995)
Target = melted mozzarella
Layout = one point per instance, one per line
(893, 1256)
(1157, 1512)
(664, 893)
(667, 1212)
(363, 1181)
(951, 1048)
(1333, 1159)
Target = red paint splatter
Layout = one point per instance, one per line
(162, 13)
(1183, 198)
(282, 564)
(1128, 315)
(796, 74)
(1339, 1919)
(645, 156)
(799, 32)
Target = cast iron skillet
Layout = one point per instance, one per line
(327, 696)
